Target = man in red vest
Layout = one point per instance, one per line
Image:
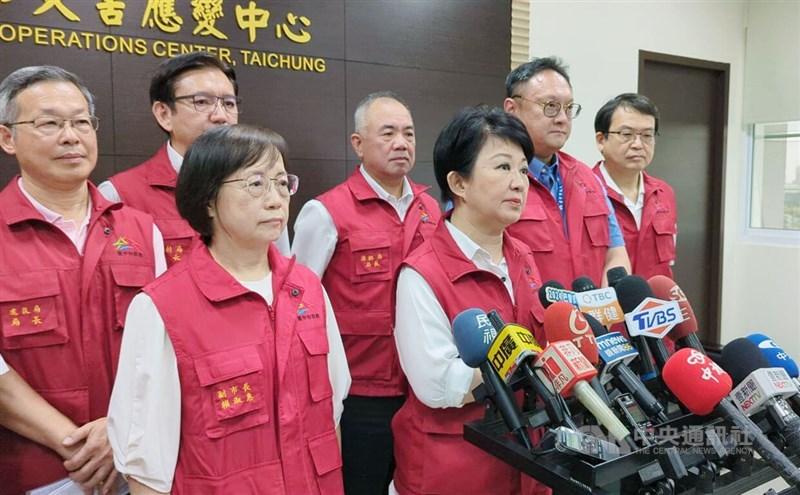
(568, 221)
(71, 263)
(354, 237)
(626, 128)
(189, 94)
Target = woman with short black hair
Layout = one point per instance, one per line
(232, 370)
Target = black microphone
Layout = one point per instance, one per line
(614, 275)
(703, 387)
(758, 387)
(583, 284)
(631, 291)
(552, 402)
(615, 352)
(469, 328)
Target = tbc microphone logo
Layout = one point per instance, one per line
(653, 318)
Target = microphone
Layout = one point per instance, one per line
(521, 357)
(582, 284)
(615, 354)
(512, 347)
(631, 291)
(702, 387)
(778, 358)
(568, 369)
(602, 304)
(471, 328)
(614, 275)
(685, 332)
(563, 322)
(760, 387)
(552, 291)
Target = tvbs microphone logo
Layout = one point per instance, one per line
(653, 318)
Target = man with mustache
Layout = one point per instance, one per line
(568, 220)
(354, 237)
(646, 209)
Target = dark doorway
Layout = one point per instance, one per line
(692, 97)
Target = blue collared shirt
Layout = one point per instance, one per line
(553, 182)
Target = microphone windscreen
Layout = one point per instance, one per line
(616, 274)
(563, 321)
(740, 357)
(666, 289)
(543, 291)
(582, 284)
(473, 334)
(777, 357)
(597, 328)
(692, 378)
(631, 291)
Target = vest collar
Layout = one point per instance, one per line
(217, 284)
(362, 191)
(160, 171)
(16, 208)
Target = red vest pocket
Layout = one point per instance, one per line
(129, 279)
(665, 238)
(371, 257)
(315, 340)
(31, 312)
(233, 390)
(327, 459)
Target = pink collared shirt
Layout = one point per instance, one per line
(79, 233)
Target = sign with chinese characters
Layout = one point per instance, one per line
(160, 19)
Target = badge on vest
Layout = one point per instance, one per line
(586, 189)
(306, 312)
(174, 250)
(125, 246)
(372, 262)
(424, 216)
(233, 399)
(37, 315)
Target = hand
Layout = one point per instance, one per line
(93, 463)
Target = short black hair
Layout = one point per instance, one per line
(529, 69)
(640, 103)
(211, 159)
(162, 84)
(460, 142)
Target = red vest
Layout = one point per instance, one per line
(256, 408)
(429, 449)
(150, 187)
(652, 248)
(541, 226)
(361, 275)
(61, 316)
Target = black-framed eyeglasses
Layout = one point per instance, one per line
(647, 137)
(258, 185)
(50, 125)
(208, 103)
(551, 108)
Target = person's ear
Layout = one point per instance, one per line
(457, 184)
(163, 114)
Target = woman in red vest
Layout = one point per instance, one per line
(481, 165)
(232, 371)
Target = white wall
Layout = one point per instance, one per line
(600, 41)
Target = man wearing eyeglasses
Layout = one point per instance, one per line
(626, 128)
(71, 263)
(568, 221)
(189, 94)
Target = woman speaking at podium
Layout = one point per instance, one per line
(481, 164)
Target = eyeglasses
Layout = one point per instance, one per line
(50, 126)
(258, 185)
(648, 138)
(209, 103)
(551, 108)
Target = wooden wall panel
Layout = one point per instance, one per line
(439, 55)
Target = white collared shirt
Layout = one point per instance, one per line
(635, 208)
(144, 416)
(315, 235)
(424, 336)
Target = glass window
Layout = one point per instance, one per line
(776, 176)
